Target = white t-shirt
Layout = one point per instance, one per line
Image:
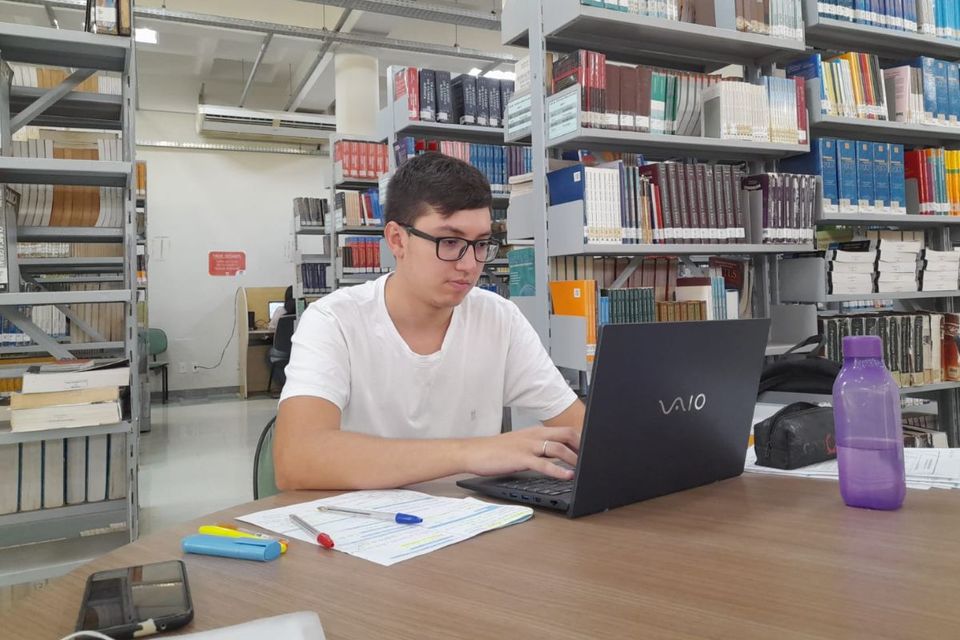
(347, 350)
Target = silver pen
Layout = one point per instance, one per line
(399, 518)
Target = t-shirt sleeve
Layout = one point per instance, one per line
(319, 361)
(532, 382)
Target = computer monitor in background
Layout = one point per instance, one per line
(272, 307)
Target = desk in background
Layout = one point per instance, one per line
(748, 558)
(253, 345)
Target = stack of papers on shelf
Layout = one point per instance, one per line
(926, 468)
(446, 521)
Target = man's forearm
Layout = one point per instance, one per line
(341, 460)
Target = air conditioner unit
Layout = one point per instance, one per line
(248, 124)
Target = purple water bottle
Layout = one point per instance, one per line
(866, 411)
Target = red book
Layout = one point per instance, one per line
(802, 124)
(914, 168)
(406, 82)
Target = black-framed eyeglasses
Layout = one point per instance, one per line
(452, 249)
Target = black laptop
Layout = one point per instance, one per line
(669, 408)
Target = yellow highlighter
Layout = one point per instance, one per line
(226, 532)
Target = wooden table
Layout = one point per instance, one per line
(752, 557)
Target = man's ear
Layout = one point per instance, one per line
(396, 238)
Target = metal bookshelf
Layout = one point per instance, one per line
(394, 121)
(335, 221)
(841, 35)
(565, 25)
(887, 219)
(60, 538)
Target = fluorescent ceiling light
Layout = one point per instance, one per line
(475, 71)
(144, 35)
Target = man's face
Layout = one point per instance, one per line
(444, 283)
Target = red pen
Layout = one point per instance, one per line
(323, 539)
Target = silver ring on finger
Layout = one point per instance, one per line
(543, 451)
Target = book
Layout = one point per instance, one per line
(65, 416)
(83, 375)
(577, 298)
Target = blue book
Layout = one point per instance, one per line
(909, 15)
(809, 68)
(898, 196)
(567, 184)
(861, 11)
(895, 14)
(942, 90)
(953, 90)
(926, 66)
(881, 177)
(865, 191)
(846, 10)
(847, 175)
(821, 161)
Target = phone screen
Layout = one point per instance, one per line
(127, 596)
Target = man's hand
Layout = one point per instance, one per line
(533, 448)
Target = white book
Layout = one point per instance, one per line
(9, 477)
(76, 470)
(32, 80)
(96, 468)
(65, 416)
(851, 267)
(53, 474)
(31, 476)
(117, 473)
(48, 200)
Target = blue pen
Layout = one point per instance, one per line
(399, 518)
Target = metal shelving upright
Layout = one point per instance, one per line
(63, 537)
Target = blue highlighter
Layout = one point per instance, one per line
(239, 548)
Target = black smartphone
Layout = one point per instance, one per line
(137, 601)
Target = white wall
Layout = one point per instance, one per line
(201, 201)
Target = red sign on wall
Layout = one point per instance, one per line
(226, 263)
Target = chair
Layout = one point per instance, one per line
(264, 480)
(279, 354)
(156, 345)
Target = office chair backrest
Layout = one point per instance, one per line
(156, 341)
(264, 480)
(282, 339)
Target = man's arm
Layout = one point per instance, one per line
(572, 416)
(311, 452)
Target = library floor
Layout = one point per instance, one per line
(197, 458)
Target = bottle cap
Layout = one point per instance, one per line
(862, 347)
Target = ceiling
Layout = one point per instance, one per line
(189, 59)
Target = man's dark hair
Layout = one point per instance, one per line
(446, 184)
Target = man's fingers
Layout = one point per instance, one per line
(561, 452)
(546, 467)
(566, 435)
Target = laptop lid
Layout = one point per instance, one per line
(669, 408)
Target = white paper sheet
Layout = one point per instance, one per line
(446, 521)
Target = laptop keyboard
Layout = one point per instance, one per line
(545, 486)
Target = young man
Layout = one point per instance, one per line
(404, 379)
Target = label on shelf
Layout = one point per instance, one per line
(563, 113)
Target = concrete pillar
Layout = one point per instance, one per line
(358, 94)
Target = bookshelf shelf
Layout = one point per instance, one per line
(839, 35)
(11, 437)
(56, 47)
(853, 297)
(97, 173)
(38, 562)
(684, 249)
(75, 347)
(64, 297)
(311, 230)
(461, 132)
(75, 110)
(70, 234)
(361, 229)
(892, 219)
(883, 131)
(347, 182)
(71, 265)
(80, 279)
(629, 37)
(668, 146)
(929, 388)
